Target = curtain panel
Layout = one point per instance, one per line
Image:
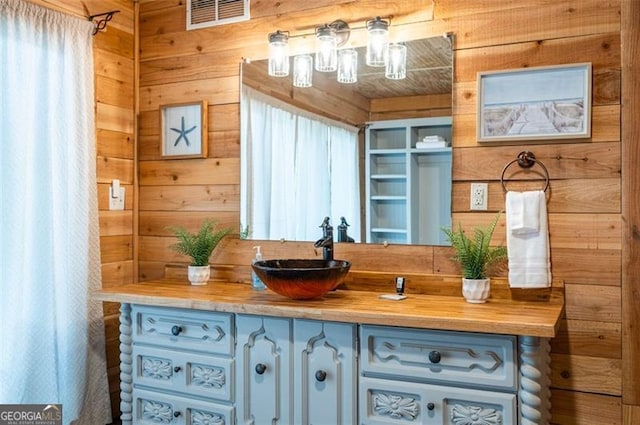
(52, 334)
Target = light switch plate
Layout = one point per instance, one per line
(116, 203)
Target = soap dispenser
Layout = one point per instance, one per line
(256, 283)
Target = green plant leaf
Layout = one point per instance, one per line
(198, 246)
(475, 255)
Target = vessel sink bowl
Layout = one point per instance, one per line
(301, 279)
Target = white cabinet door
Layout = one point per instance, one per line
(325, 368)
(264, 370)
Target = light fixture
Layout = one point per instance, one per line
(396, 62)
(279, 54)
(347, 66)
(377, 41)
(326, 49)
(302, 70)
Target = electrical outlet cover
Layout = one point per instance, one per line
(479, 195)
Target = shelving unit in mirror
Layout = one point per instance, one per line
(408, 180)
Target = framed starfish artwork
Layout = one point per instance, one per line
(183, 130)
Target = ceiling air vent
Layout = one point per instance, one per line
(208, 13)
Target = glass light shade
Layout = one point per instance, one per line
(278, 54)
(377, 42)
(326, 49)
(302, 70)
(347, 66)
(397, 62)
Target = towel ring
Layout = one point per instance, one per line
(525, 159)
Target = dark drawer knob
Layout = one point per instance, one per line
(177, 369)
(431, 406)
(434, 356)
(176, 414)
(261, 368)
(175, 330)
(321, 375)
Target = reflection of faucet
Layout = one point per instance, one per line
(342, 231)
(326, 243)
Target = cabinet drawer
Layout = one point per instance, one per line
(150, 408)
(193, 330)
(384, 402)
(439, 356)
(190, 373)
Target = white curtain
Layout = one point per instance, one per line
(296, 169)
(52, 333)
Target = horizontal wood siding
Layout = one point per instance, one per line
(585, 190)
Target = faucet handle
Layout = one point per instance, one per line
(325, 223)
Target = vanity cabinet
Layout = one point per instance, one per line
(295, 371)
(408, 187)
(433, 377)
(257, 358)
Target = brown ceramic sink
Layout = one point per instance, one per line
(299, 278)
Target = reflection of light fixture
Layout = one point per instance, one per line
(347, 66)
(396, 62)
(302, 70)
(279, 54)
(377, 41)
(326, 49)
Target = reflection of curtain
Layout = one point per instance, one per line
(297, 168)
(52, 334)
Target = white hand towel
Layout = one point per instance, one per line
(524, 211)
(528, 250)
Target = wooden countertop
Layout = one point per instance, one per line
(498, 316)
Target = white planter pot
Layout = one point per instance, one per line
(199, 275)
(476, 290)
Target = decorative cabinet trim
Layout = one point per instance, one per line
(208, 377)
(156, 368)
(474, 415)
(156, 411)
(194, 330)
(466, 359)
(199, 417)
(396, 406)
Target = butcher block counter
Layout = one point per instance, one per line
(229, 354)
(499, 316)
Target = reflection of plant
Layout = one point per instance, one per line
(244, 231)
(475, 255)
(198, 246)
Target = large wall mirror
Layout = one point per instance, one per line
(354, 151)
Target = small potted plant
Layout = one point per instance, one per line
(199, 247)
(475, 256)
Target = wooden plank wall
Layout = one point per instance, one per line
(585, 195)
(115, 83)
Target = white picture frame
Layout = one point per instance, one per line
(538, 103)
(183, 130)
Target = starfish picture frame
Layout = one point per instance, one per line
(183, 130)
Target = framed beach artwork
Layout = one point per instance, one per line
(542, 103)
(183, 130)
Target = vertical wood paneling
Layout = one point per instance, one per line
(631, 207)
